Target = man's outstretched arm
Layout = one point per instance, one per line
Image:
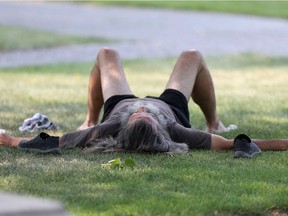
(11, 141)
(221, 143)
(69, 140)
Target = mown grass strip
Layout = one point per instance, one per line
(259, 8)
(15, 38)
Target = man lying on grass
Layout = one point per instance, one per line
(150, 124)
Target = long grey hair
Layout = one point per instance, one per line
(140, 136)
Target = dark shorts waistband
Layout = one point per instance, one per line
(178, 103)
(112, 102)
(175, 99)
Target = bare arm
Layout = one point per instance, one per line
(272, 144)
(10, 141)
(221, 143)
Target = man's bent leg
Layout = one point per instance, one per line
(107, 79)
(192, 77)
(95, 98)
(113, 79)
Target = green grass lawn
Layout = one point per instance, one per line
(251, 92)
(259, 8)
(13, 38)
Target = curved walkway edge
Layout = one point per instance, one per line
(143, 33)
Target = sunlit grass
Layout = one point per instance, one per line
(251, 92)
(260, 8)
(15, 38)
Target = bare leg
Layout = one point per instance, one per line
(192, 77)
(107, 79)
(95, 99)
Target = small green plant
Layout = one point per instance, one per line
(118, 164)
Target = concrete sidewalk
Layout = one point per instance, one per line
(16, 205)
(143, 33)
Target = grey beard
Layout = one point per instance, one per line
(124, 117)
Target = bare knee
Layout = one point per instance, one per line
(106, 52)
(192, 55)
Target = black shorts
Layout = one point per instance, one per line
(178, 103)
(175, 99)
(112, 102)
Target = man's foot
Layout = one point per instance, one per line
(43, 143)
(220, 128)
(244, 147)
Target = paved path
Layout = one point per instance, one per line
(17, 205)
(142, 33)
